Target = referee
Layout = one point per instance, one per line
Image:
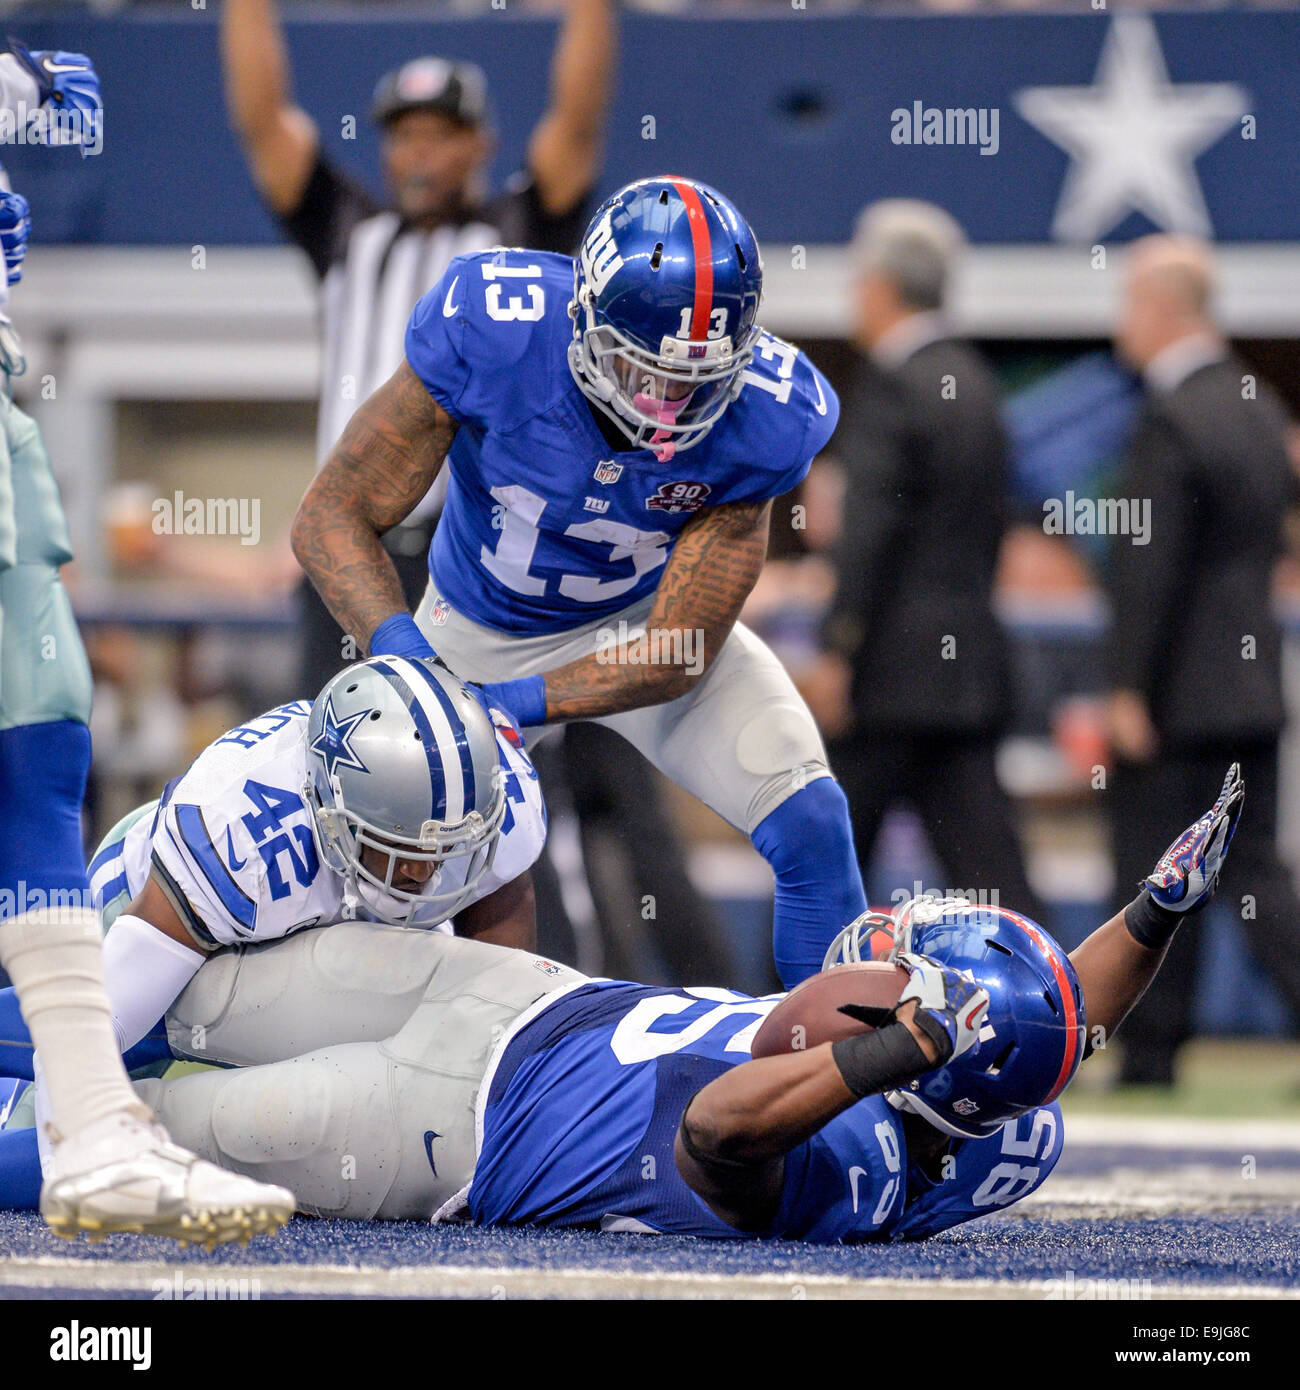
(376, 262)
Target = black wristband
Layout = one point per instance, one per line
(1149, 924)
(879, 1061)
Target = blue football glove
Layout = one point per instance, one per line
(67, 82)
(15, 228)
(1188, 871)
(950, 1009)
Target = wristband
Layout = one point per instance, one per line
(399, 636)
(524, 700)
(880, 1061)
(1149, 924)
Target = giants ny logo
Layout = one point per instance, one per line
(600, 258)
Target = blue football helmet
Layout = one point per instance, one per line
(403, 762)
(667, 285)
(1033, 1036)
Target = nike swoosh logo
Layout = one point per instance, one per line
(63, 67)
(854, 1175)
(820, 406)
(429, 1136)
(448, 308)
(235, 863)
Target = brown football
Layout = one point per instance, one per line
(809, 1015)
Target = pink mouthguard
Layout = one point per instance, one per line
(666, 412)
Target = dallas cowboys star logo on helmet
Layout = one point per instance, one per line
(333, 742)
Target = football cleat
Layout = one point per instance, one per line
(125, 1174)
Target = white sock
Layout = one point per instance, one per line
(54, 957)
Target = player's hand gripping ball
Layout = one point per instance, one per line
(833, 1004)
(949, 1007)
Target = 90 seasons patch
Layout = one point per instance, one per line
(679, 497)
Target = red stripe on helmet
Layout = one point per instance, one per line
(700, 244)
(1067, 1000)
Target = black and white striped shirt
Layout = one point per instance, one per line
(374, 267)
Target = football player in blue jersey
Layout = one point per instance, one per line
(615, 429)
(518, 1092)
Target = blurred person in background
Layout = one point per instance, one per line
(914, 684)
(375, 263)
(1195, 654)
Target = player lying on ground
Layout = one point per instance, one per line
(394, 797)
(519, 1092)
(616, 428)
(111, 1167)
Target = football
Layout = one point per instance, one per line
(809, 1015)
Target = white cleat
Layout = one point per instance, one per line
(125, 1174)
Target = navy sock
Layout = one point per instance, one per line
(42, 784)
(808, 841)
(20, 1170)
(16, 1042)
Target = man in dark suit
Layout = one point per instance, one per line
(915, 676)
(1195, 653)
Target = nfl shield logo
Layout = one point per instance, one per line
(441, 608)
(608, 471)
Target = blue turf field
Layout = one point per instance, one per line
(1117, 1219)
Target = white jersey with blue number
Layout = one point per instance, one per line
(546, 526)
(231, 841)
(584, 1102)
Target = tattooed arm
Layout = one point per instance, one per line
(387, 459)
(709, 574)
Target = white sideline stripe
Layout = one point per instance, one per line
(466, 1281)
(1161, 1131)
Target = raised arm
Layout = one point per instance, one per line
(709, 574)
(386, 460)
(1120, 959)
(565, 151)
(280, 139)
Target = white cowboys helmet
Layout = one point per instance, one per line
(403, 761)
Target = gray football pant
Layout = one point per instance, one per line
(742, 739)
(359, 1051)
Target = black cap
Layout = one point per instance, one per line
(458, 90)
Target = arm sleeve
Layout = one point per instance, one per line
(1144, 581)
(331, 206)
(873, 450)
(144, 971)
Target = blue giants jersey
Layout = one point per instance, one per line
(546, 526)
(586, 1099)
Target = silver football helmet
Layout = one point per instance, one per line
(403, 761)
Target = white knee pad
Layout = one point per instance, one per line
(351, 982)
(322, 1126)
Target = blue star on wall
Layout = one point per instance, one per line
(333, 742)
